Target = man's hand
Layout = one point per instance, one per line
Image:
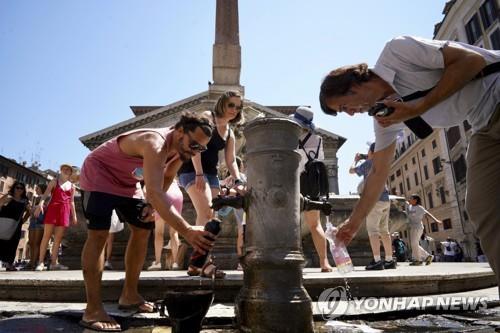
(200, 183)
(196, 237)
(147, 213)
(402, 111)
(347, 231)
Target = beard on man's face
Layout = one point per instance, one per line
(184, 155)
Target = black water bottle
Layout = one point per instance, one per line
(198, 259)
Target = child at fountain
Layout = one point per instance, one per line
(377, 221)
(57, 216)
(175, 196)
(311, 144)
(416, 213)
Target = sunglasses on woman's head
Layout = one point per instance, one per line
(232, 105)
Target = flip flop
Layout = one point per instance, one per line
(193, 271)
(137, 307)
(91, 325)
(326, 270)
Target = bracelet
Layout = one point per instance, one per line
(199, 175)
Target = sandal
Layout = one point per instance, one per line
(209, 270)
(193, 271)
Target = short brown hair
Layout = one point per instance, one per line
(221, 102)
(190, 120)
(339, 81)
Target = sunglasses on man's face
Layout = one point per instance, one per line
(195, 146)
(232, 106)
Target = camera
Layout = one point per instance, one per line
(380, 110)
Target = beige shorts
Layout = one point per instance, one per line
(377, 222)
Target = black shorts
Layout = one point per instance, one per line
(98, 207)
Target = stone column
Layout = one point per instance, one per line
(273, 298)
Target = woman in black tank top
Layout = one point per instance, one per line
(199, 176)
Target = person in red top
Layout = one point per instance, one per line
(109, 180)
(57, 215)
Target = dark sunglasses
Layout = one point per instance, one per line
(19, 188)
(195, 146)
(325, 108)
(232, 105)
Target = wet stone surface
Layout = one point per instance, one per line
(486, 320)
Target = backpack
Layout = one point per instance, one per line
(400, 247)
(314, 178)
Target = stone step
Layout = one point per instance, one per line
(68, 286)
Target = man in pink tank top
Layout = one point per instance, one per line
(109, 180)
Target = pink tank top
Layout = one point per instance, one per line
(107, 169)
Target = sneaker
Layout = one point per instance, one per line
(58, 267)
(416, 263)
(108, 266)
(175, 267)
(155, 267)
(40, 267)
(391, 264)
(429, 259)
(239, 267)
(375, 265)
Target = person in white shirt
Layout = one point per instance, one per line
(312, 146)
(462, 84)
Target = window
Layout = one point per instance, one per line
(453, 135)
(436, 164)
(434, 144)
(473, 29)
(416, 179)
(413, 160)
(467, 126)
(406, 167)
(495, 39)
(392, 177)
(2, 184)
(488, 13)
(434, 227)
(423, 152)
(466, 217)
(442, 195)
(408, 183)
(446, 224)
(401, 188)
(398, 173)
(460, 168)
(426, 172)
(431, 202)
(409, 140)
(4, 170)
(406, 234)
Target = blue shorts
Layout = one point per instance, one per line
(36, 223)
(187, 179)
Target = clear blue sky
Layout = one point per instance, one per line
(69, 68)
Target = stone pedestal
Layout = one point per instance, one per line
(273, 298)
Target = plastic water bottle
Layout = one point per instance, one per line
(338, 250)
